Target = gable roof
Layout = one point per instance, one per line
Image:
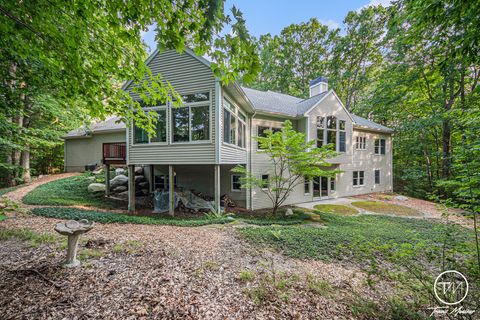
(368, 124)
(272, 102)
(110, 125)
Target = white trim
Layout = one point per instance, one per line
(231, 183)
(218, 114)
(323, 98)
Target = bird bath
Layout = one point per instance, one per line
(73, 229)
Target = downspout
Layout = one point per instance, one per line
(250, 157)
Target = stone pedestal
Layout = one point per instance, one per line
(73, 229)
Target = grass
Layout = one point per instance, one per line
(246, 275)
(34, 238)
(337, 239)
(86, 254)
(67, 192)
(2, 217)
(298, 217)
(6, 190)
(386, 208)
(337, 209)
(107, 217)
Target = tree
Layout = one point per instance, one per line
(79, 53)
(293, 159)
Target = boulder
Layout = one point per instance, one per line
(99, 170)
(139, 179)
(96, 187)
(120, 189)
(123, 195)
(143, 185)
(401, 198)
(119, 171)
(120, 180)
(289, 212)
(138, 171)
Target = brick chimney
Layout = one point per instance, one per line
(318, 85)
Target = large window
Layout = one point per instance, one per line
(262, 132)
(380, 146)
(358, 178)
(327, 130)
(234, 125)
(141, 136)
(377, 176)
(191, 122)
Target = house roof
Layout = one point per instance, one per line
(368, 124)
(109, 125)
(272, 102)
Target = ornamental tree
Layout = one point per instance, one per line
(293, 159)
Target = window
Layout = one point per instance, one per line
(141, 136)
(236, 184)
(358, 178)
(180, 124)
(342, 136)
(234, 125)
(262, 132)
(361, 143)
(265, 181)
(200, 123)
(306, 185)
(379, 146)
(191, 122)
(332, 130)
(320, 132)
(377, 176)
(332, 185)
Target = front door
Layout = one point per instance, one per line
(320, 187)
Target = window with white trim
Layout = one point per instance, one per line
(332, 185)
(265, 181)
(306, 185)
(234, 125)
(380, 146)
(361, 143)
(236, 184)
(358, 178)
(327, 130)
(191, 122)
(140, 136)
(377, 176)
(262, 132)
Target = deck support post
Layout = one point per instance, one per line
(151, 178)
(216, 176)
(171, 191)
(131, 188)
(107, 180)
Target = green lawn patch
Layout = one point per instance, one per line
(2, 217)
(264, 220)
(386, 208)
(108, 217)
(6, 190)
(67, 192)
(337, 239)
(337, 209)
(24, 234)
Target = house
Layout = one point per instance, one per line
(197, 145)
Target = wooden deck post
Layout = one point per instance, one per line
(216, 184)
(171, 191)
(131, 188)
(107, 180)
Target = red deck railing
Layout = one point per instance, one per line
(114, 153)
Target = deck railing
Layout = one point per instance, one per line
(114, 152)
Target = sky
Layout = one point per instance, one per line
(271, 16)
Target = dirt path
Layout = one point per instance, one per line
(18, 194)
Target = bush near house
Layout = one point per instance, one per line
(67, 192)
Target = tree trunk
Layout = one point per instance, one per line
(25, 163)
(446, 154)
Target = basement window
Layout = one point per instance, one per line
(358, 178)
(236, 184)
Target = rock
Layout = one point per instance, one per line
(91, 178)
(119, 171)
(96, 187)
(123, 195)
(145, 192)
(138, 171)
(289, 212)
(144, 185)
(120, 180)
(99, 170)
(401, 198)
(139, 179)
(120, 189)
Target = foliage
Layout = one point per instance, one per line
(386, 208)
(6, 190)
(293, 159)
(109, 217)
(341, 231)
(246, 275)
(337, 209)
(34, 238)
(67, 192)
(298, 217)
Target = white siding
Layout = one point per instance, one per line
(230, 154)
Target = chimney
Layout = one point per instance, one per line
(318, 85)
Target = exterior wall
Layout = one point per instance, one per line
(187, 75)
(226, 186)
(231, 154)
(80, 152)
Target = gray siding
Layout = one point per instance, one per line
(80, 152)
(187, 75)
(230, 154)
